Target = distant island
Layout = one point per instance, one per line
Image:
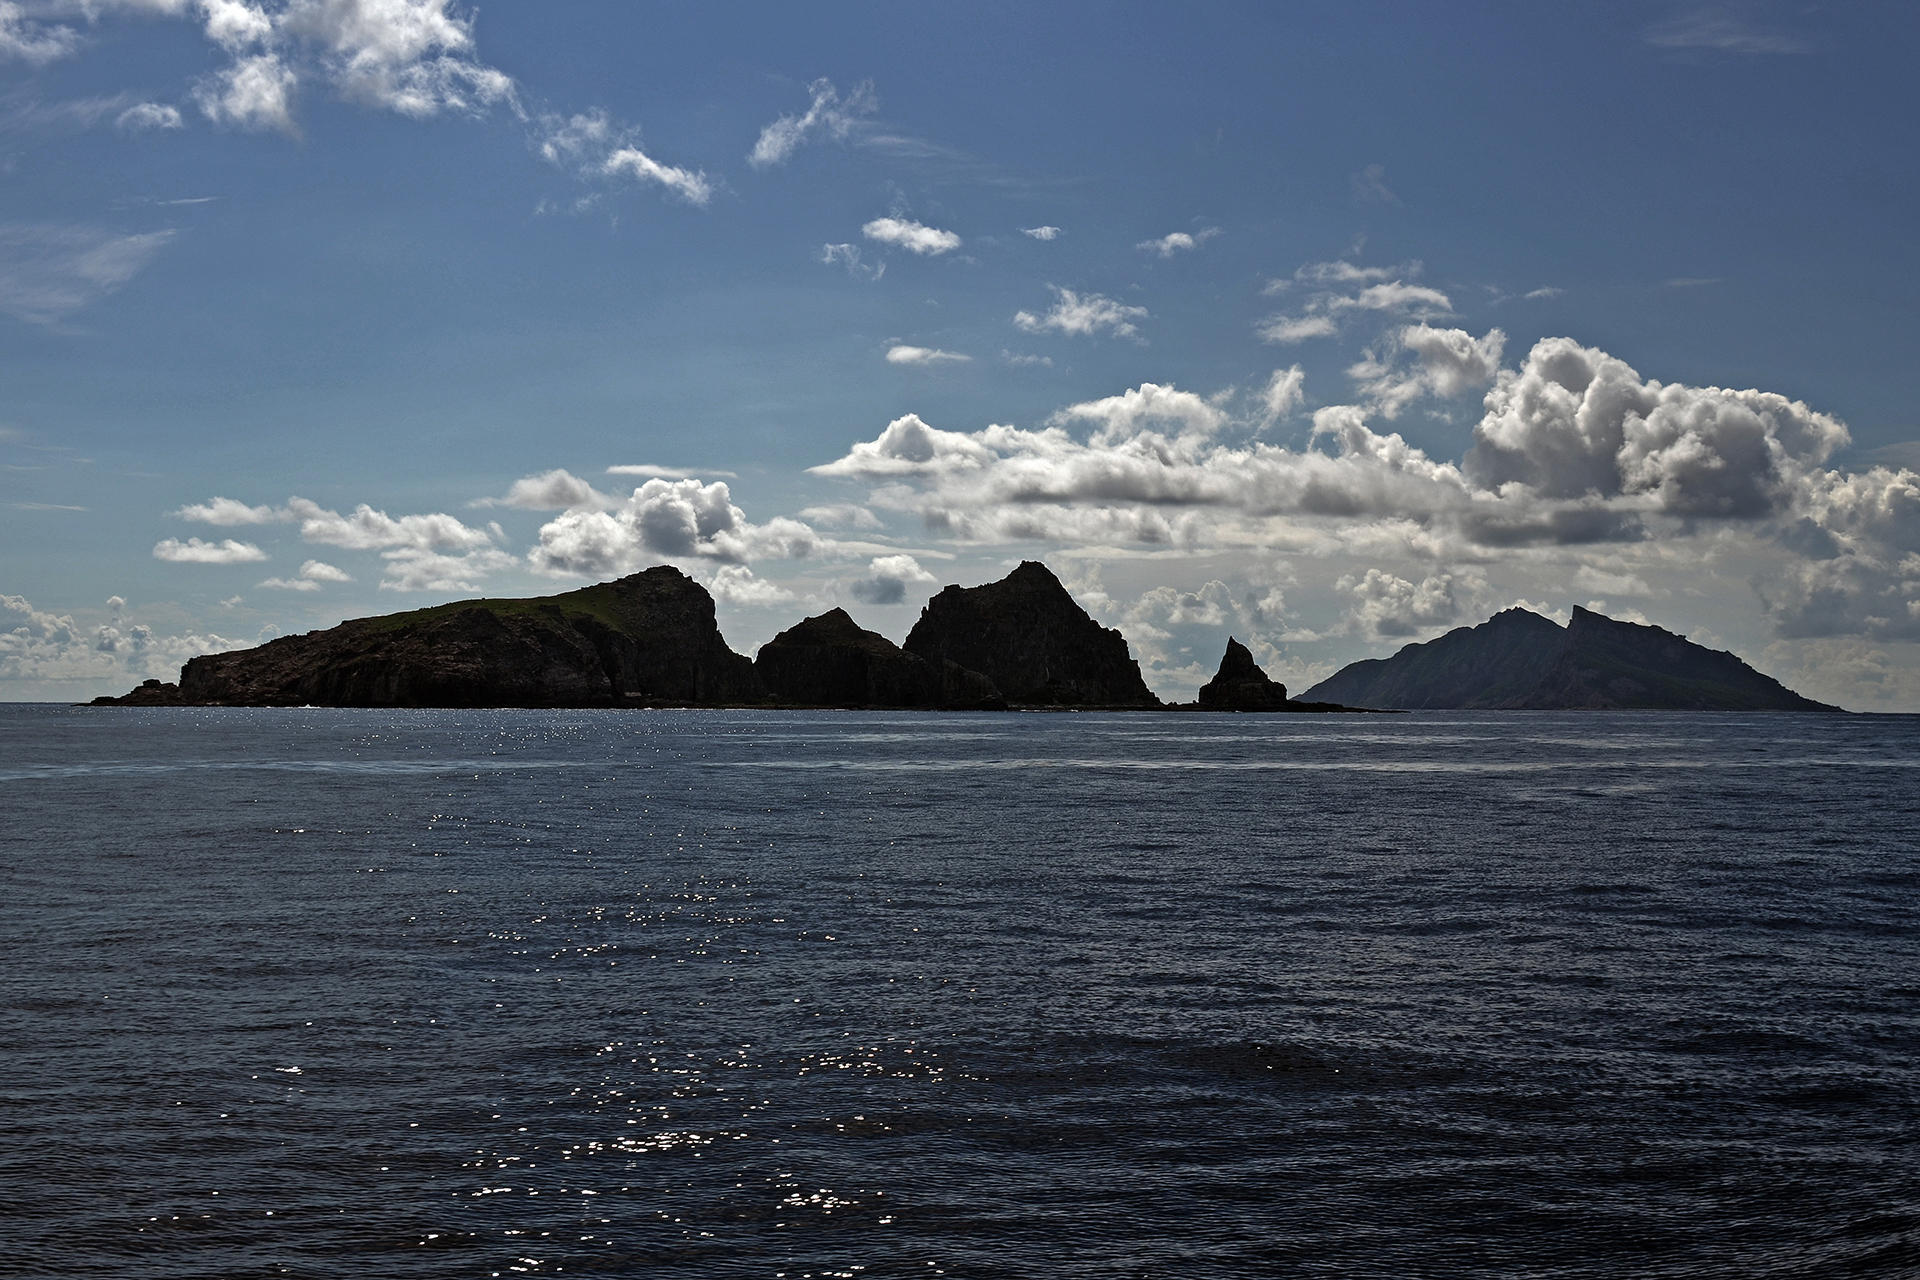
(651, 640)
(1518, 660)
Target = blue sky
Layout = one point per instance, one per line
(1330, 326)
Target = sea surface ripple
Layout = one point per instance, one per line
(738, 994)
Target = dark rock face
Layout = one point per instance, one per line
(1240, 684)
(1520, 660)
(648, 637)
(1026, 635)
(151, 693)
(831, 661)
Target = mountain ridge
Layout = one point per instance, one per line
(1519, 660)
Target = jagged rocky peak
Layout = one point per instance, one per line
(649, 637)
(830, 660)
(1026, 634)
(1240, 684)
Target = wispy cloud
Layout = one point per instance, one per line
(1370, 186)
(829, 115)
(149, 115)
(1718, 27)
(1041, 233)
(591, 145)
(903, 354)
(667, 473)
(48, 272)
(1078, 316)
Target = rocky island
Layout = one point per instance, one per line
(650, 640)
(1518, 660)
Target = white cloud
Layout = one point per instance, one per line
(888, 579)
(1450, 363)
(194, 551)
(843, 515)
(902, 354)
(1290, 329)
(592, 146)
(33, 42)
(366, 529)
(679, 520)
(1343, 290)
(1547, 292)
(556, 490)
(1040, 233)
(828, 115)
(1387, 606)
(666, 473)
(1168, 245)
(1076, 316)
(688, 184)
(149, 115)
(228, 512)
(904, 233)
(256, 92)
(848, 256)
(1126, 416)
(736, 584)
(1025, 360)
(1574, 421)
(48, 272)
(312, 574)
(1283, 394)
(49, 652)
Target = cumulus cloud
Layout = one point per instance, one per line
(902, 354)
(1168, 245)
(887, 580)
(1387, 606)
(1574, 422)
(48, 651)
(1040, 233)
(679, 520)
(736, 584)
(1342, 290)
(591, 145)
(194, 551)
(312, 574)
(556, 490)
(914, 237)
(1574, 449)
(256, 92)
(1026, 360)
(149, 115)
(228, 512)
(1076, 316)
(48, 272)
(1449, 363)
(828, 115)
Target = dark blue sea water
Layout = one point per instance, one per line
(395, 994)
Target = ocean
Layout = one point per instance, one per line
(338, 993)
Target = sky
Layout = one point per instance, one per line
(1330, 326)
